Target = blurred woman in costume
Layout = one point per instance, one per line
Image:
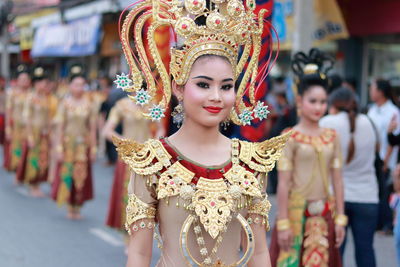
(75, 148)
(14, 122)
(40, 108)
(306, 231)
(135, 127)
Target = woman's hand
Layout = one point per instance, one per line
(285, 239)
(340, 233)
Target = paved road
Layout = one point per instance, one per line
(35, 232)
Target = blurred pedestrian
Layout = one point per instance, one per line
(381, 113)
(2, 110)
(75, 148)
(114, 94)
(39, 110)
(15, 124)
(306, 233)
(359, 143)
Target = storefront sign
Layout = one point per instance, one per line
(76, 38)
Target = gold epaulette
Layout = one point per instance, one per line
(143, 159)
(262, 156)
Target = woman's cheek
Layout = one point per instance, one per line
(193, 95)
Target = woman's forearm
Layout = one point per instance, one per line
(283, 194)
(338, 190)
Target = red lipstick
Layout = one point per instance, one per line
(213, 110)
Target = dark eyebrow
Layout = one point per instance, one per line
(211, 79)
(204, 77)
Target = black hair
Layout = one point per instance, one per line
(335, 82)
(305, 80)
(385, 87)
(344, 99)
(352, 81)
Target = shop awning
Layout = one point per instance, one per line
(371, 17)
(76, 38)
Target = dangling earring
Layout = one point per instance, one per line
(225, 123)
(178, 114)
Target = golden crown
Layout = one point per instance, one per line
(227, 27)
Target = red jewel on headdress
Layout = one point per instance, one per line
(195, 2)
(217, 21)
(184, 26)
(238, 9)
(212, 203)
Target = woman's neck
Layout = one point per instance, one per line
(309, 127)
(195, 133)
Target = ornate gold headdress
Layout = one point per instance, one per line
(230, 26)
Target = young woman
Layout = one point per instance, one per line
(39, 110)
(359, 143)
(135, 127)
(75, 148)
(15, 124)
(306, 233)
(205, 193)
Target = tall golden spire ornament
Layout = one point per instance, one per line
(228, 28)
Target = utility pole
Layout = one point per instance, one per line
(303, 25)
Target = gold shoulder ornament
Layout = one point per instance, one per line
(262, 156)
(143, 159)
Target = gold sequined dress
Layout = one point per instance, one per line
(15, 102)
(38, 114)
(199, 211)
(310, 160)
(73, 179)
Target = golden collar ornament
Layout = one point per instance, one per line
(230, 26)
(213, 203)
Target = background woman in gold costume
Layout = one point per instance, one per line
(75, 148)
(311, 221)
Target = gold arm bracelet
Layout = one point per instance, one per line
(341, 220)
(283, 224)
(194, 263)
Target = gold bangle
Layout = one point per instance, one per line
(341, 220)
(283, 224)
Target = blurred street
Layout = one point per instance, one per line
(34, 232)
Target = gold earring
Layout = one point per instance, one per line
(178, 114)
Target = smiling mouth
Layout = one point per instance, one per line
(213, 110)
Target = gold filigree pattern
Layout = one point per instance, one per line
(315, 242)
(172, 180)
(213, 205)
(246, 180)
(262, 156)
(143, 159)
(136, 210)
(261, 208)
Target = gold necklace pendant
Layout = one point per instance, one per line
(213, 205)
